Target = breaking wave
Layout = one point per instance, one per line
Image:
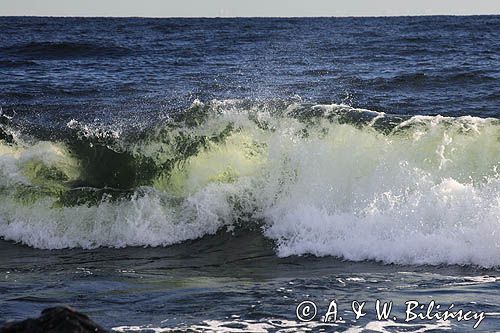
(316, 179)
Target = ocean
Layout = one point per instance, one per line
(211, 175)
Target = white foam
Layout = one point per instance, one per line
(235, 326)
(405, 199)
(428, 193)
(285, 326)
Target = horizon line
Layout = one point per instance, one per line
(235, 17)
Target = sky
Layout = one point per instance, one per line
(231, 8)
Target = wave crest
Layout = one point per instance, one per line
(318, 179)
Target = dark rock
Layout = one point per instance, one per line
(59, 319)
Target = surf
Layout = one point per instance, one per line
(326, 180)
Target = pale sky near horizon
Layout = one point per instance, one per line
(230, 8)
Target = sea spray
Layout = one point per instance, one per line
(317, 179)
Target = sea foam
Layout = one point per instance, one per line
(317, 179)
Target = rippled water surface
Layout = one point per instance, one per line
(211, 174)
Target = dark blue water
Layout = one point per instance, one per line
(211, 174)
(75, 67)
